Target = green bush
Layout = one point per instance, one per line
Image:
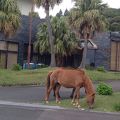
(104, 89)
(101, 69)
(16, 67)
(88, 67)
(117, 107)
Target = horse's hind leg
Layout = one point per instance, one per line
(49, 90)
(57, 93)
(54, 89)
(78, 98)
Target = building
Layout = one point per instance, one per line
(115, 51)
(14, 50)
(107, 54)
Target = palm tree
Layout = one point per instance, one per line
(65, 41)
(47, 4)
(9, 17)
(87, 18)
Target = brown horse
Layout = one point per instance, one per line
(71, 79)
(55, 86)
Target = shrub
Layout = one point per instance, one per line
(104, 89)
(16, 67)
(117, 107)
(88, 67)
(101, 68)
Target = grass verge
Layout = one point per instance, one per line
(102, 103)
(38, 77)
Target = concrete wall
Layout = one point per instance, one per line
(100, 57)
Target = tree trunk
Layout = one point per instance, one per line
(83, 62)
(30, 36)
(51, 39)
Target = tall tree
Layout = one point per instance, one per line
(65, 41)
(66, 13)
(9, 17)
(87, 18)
(59, 14)
(46, 4)
(30, 33)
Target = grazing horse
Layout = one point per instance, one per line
(69, 78)
(55, 86)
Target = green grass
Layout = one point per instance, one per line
(102, 76)
(102, 103)
(24, 77)
(38, 77)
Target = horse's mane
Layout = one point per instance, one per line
(72, 68)
(88, 85)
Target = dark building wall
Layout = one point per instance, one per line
(101, 56)
(22, 35)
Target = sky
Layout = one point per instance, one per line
(67, 4)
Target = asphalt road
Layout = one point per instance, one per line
(28, 113)
(29, 94)
(36, 94)
(21, 103)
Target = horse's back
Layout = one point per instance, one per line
(68, 77)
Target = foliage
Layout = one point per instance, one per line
(59, 14)
(88, 67)
(117, 106)
(16, 67)
(86, 18)
(113, 16)
(101, 69)
(104, 89)
(9, 17)
(34, 14)
(65, 40)
(66, 13)
(43, 3)
(47, 4)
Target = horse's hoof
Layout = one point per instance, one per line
(72, 101)
(82, 109)
(59, 102)
(79, 106)
(46, 102)
(74, 104)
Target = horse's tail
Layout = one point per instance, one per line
(48, 80)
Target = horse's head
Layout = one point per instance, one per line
(90, 100)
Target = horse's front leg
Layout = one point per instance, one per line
(73, 90)
(76, 93)
(74, 96)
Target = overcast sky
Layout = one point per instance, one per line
(67, 4)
